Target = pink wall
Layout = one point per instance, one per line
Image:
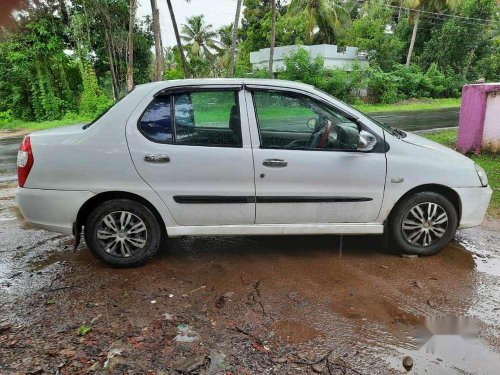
(491, 131)
(472, 115)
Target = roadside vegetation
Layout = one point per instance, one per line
(490, 163)
(411, 105)
(64, 61)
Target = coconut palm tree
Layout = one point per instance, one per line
(273, 36)
(225, 34)
(325, 18)
(235, 37)
(199, 37)
(417, 7)
(185, 66)
(157, 37)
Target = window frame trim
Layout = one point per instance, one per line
(170, 93)
(265, 88)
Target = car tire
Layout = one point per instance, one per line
(123, 233)
(423, 224)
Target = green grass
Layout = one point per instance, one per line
(411, 105)
(489, 162)
(32, 125)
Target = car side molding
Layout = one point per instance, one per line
(218, 199)
(273, 229)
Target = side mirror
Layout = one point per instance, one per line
(367, 141)
(311, 123)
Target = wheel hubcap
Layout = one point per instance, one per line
(424, 224)
(122, 233)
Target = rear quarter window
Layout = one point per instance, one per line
(156, 121)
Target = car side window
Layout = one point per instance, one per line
(156, 121)
(207, 118)
(293, 121)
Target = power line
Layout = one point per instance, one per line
(477, 20)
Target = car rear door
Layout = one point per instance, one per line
(192, 146)
(296, 183)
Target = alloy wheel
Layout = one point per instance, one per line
(424, 224)
(122, 233)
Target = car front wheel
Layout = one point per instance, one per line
(423, 224)
(123, 233)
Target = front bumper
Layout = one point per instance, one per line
(53, 210)
(475, 202)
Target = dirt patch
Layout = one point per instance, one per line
(294, 332)
(13, 133)
(239, 305)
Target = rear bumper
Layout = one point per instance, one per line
(475, 202)
(53, 210)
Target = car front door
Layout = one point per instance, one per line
(307, 167)
(193, 148)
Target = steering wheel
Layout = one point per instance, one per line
(317, 141)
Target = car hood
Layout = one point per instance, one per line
(431, 145)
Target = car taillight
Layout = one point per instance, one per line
(24, 161)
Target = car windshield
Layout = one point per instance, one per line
(389, 129)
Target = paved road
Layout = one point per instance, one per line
(414, 120)
(8, 156)
(420, 120)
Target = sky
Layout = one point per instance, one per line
(216, 12)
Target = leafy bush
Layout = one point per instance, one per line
(400, 83)
(384, 87)
(299, 66)
(6, 117)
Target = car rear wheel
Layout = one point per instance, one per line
(123, 233)
(423, 224)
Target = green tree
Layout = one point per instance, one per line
(234, 38)
(35, 72)
(200, 38)
(459, 42)
(185, 66)
(369, 33)
(329, 16)
(419, 6)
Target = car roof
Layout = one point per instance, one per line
(227, 81)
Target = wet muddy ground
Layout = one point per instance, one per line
(246, 305)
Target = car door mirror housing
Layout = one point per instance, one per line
(367, 141)
(311, 123)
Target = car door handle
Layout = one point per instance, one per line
(156, 158)
(275, 163)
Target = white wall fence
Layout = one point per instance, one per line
(333, 57)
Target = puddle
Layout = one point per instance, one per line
(449, 354)
(484, 244)
(292, 292)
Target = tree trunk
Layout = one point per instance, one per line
(157, 36)
(64, 12)
(273, 36)
(114, 81)
(178, 39)
(235, 36)
(413, 37)
(130, 47)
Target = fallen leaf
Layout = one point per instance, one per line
(83, 330)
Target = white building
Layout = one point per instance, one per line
(333, 58)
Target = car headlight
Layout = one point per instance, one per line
(482, 175)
